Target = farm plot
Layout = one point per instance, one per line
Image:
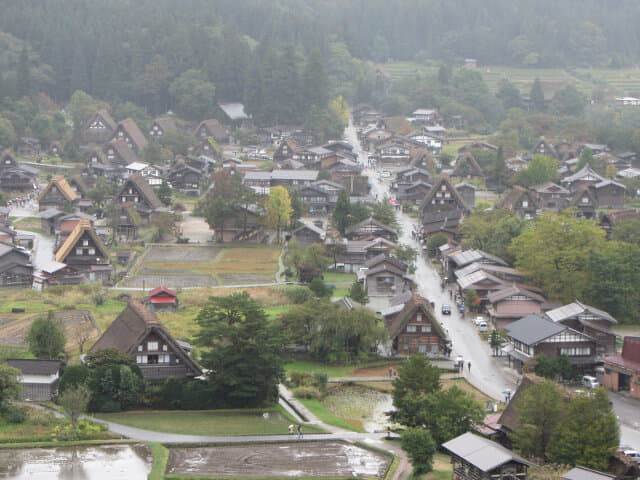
(190, 266)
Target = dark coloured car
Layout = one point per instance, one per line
(446, 309)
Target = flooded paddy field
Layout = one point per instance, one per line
(293, 459)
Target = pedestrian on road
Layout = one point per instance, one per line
(469, 365)
(291, 428)
(299, 431)
(391, 371)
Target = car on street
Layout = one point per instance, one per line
(385, 174)
(446, 309)
(478, 320)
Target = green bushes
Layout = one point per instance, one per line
(307, 392)
(299, 295)
(14, 414)
(309, 386)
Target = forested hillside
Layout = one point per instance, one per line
(133, 50)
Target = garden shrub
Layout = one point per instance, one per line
(307, 392)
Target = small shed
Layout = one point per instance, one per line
(162, 299)
(38, 377)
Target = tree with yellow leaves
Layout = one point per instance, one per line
(278, 209)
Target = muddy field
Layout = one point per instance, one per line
(314, 459)
(181, 253)
(78, 326)
(177, 280)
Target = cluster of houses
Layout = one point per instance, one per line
(534, 326)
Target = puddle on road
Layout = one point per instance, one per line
(106, 462)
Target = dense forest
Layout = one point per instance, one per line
(134, 50)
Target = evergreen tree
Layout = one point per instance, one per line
(23, 75)
(315, 82)
(537, 96)
(340, 217)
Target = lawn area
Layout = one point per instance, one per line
(330, 418)
(339, 277)
(209, 422)
(340, 292)
(371, 368)
(442, 468)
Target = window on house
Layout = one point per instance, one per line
(426, 328)
(575, 351)
(78, 251)
(164, 348)
(585, 199)
(165, 358)
(141, 359)
(139, 348)
(92, 251)
(85, 243)
(422, 348)
(525, 204)
(419, 317)
(152, 346)
(411, 328)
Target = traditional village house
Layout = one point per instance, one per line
(128, 222)
(507, 274)
(413, 192)
(476, 458)
(468, 194)
(585, 177)
(185, 178)
(316, 199)
(38, 378)
(161, 299)
(425, 116)
(309, 234)
(609, 194)
(99, 128)
(57, 194)
(129, 131)
(119, 155)
(364, 114)
(466, 166)
(212, 128)
(235, 114)
(55, 273)
(15, 267)
(432, 143)
(50, 220)
(461, 259)
(591, 321)
(622, 372)
(551, 196)
(78, 185)
(138, 332)
(536, 334)
(370, 227)
(15, 177)
(285, 150)
(394, 152)
(411, 175)
(66, 223)
(84, 251)
(481, 282)
(137, 191)
(161, 126)
(357, 252)
(385, 280)
(208, 148)
(415, 329)
(585, 203)
(375, 136)
(511, 303)
(8, 234)
(544, 147)
(522, 202)
(443, 209)
(311, 157)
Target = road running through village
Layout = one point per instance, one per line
(487, 374)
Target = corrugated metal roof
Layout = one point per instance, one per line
(582, 473)
(564, 312)
(533, 329)
(482, 453)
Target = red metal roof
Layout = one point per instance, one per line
(163, 299)
(161, 290)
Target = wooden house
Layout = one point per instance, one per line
(443, 208)
(357, 252)
(57, 194)
(584, 177)
(394, 152)
(8, 234)
(551, 196)
(207, 147)
(511, 303)
(118, 154)
(375, 137)
(466, 166)
(585, 203)
(84, 251)
(522, 202)
(138, 332)
(609, 194)
(15, 267)
(371, 228)
(285, 150)
(99, 128)
(468, 194)
(308, 235)
(536, 334)
(385, 280)
(55, 273)
(128, 222)
(129, 131)
(544, 147)
(316, 199)
(415, 330)
(590, 321)
(482, 282)
(212, 128)
(414, 192)
(622, 372)
(185, 178)
(476, 458)
(138, 192)
(15, 177)
(38, 378)
(161, 126)
(162, 299)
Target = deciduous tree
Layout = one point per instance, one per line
(46, 338)
(278, 209)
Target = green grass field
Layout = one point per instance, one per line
(338, 371)
(339, 277)
(209, 422)
(320, 411)
(621, 82)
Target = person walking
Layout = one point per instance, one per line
(469, 365)
(299, 431)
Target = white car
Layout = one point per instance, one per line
(478, 320)
(385, 174)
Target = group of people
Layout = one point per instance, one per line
(21, 201)
(417, 233)
(297, 430)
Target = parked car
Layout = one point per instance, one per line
(385, 174)
(633, 454)
(446, 309)
(478, 320)
(590, 382)
(483, 326)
